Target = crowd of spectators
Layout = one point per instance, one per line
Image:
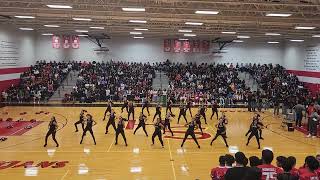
(236, 167)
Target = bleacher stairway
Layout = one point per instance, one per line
(249, 81)
(161, 81)
(66, 87)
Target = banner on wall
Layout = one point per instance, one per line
(66, 42)
(177, 46)
(56, 42)
(205, 46)
(186, 46)
(196, 46)
(75, 42)
(167, 45)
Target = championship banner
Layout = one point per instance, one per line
(66, 42)
(196, 46)
(167, 45)
(205, 46)
(75, 42)
(177, 46)
(56, 42)
(186, 46)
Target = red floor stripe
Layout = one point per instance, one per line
(304, 130)
(18, 127)
(130, 124)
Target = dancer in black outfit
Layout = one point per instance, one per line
(111, 121)
(202, 112)
(146, 105)
(259, 130)
(198, 121)
(189, 105)
(90, 124)
(169, 106)
(255, 125)
(53, 126)
(190, 131)
(157, 131)
(158, 112)
(130, 110)
(166, 123)
(221, 130)
(81, 120)
(120, 130)
(142, 123)
(125, 105)
(109, 107)
(183, 112)
(214, 108)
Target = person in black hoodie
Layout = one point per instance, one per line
(239, 171)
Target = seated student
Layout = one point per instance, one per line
(292, 160)
(239, 170)
(254, 173)
(311, 167)
(219, 172)
(287, 167)
(229, 160)
(269, 172)
(280, 161)
(303, 168)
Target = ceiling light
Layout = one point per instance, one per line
(237, 41)
(141, 29)
(138, 37)
(26, 29)
(273, 42)
(137, 21)
(194, 23)
(47, 34)
(243, 37)
(82, 19)
(182, 39)
(316, 35)
(272, 34)
(134, 9)
(25, 17)
(228, 32)
(278, 14)
(207, 12)
(82, 35)
(185, 30)
(135, 32)
(304, 27)
(296, 40)
(190, 35)
(51, 26)
(96, 27)
(59, 6)
(82, 31)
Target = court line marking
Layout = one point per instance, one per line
(65, 174)
(171, 158)
(111, 145)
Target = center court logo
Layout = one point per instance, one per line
(26, 164)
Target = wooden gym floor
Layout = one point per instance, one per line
(23, 154)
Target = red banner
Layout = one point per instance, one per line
(177, 46)
(56, 42)
(186, 46)
(205, 46)
(196, 46)
(66, 42)
(167, 45)
(75, 42)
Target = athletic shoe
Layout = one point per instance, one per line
(314, 136)
(309, 135)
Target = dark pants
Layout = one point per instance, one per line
(145, 106)
(124, 106)
(121, 131)
(298, 119)
(157, 133)
(167, 125)
(105, 113)
(129, 113)
(169, 108)
(204, 117)
(143, 125)
(113, 125)
(214, 111)
(190, 133)
(53, 133)
(313, 127)
(199, 125)
(91, 132)
(157, 114)
(76, 125)
(223, 135)
(259, 132)
(184, 116)
(254, 132)
(190, 111)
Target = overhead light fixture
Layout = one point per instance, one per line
(316, 36)
(26, 29)
(47, 34)
(138, 37)
(190, 35)
(305, 27)
(185, 30)
(96, 27)
(243, 37)
(228, 32)
(237, 41)
(278, 14)
(59, 6)
(141, 29)
(137, 21)
(82, 19)
(182, 39)
(194, 23)
(135, 32)
(51, 25)
(134, 9)
(81, 31)
(296, 40)
(82, 35)
(25, 17)
(273, 42)
(207, 12)
(272, 34)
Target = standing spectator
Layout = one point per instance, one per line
(219, 172)
(299, 108)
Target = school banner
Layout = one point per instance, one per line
(186, 46)
(205, 46)
(66, 42)
(177, 46)
(196, 46)
(75, 42)
(56, 42)
(167, 45)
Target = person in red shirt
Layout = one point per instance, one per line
(304, 169)
(311, 166)
(219, 172)
(292, 161)
(269, 172)
(310, 110)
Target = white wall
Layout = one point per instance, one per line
(151, 50)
